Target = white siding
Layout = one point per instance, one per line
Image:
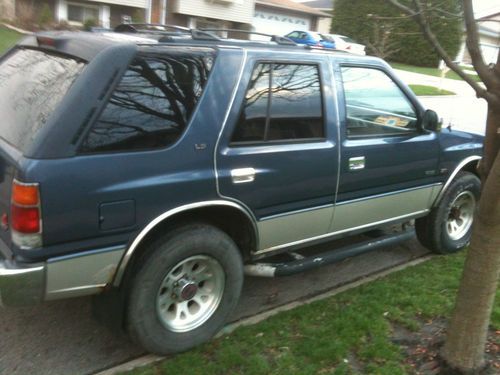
(129, 3)
(229, 10)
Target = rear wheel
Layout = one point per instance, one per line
(183, 292)
(448, 228)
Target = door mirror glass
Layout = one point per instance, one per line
(430, 121)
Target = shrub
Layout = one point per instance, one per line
(391, 35)
(45, 17)
(89, 24)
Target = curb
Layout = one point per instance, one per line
(16, 29)
(150, 359)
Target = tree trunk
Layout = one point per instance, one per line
(468, 328)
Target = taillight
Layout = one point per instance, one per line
(25, 219)
(45, 41)
(25, 212)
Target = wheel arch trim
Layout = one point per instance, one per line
(457, 169)
(170, 213)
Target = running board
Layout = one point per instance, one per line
(332, 256)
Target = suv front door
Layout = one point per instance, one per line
(389, 166)
(278, 153)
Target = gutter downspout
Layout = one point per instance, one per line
(148, 11)
(163, 18)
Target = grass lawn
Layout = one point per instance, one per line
(356, 332)
(429, 71)
(423, 90)
(7, 38)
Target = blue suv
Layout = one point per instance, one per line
(311, 38)
(156, 168)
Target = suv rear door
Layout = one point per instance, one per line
(32, 84)
(389, 167)
(278, 153)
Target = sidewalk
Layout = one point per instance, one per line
(463, 111)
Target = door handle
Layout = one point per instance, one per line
(356, 163)
(242, 175)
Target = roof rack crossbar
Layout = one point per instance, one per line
(274, 38)
(161, 29)
(149, 27)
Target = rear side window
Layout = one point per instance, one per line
(32, 84)
(283, 103)
(152, 104)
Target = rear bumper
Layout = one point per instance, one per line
(74, 275)
(20, 285)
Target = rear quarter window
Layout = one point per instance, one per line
(32, 84)
(153, 103)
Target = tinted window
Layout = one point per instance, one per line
(32, 84)
(153, 103)
(375, 105)
(283, 102)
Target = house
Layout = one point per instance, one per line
(489, 39)
(76, 12)
(237, 14)
(225, 14)
(279, 17)
(325, 6)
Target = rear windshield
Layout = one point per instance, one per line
(347, 39)
(32, 84)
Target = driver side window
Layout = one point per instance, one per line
(375, 105)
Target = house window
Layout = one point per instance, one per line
(81, 13)
(202, 23)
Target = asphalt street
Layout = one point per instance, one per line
(62, 337)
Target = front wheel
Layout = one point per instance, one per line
(448, 227)
(183, 292)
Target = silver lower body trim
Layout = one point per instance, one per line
(331, 235)
(302, 227)
(83, 273)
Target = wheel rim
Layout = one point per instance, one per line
(461, 215)
(190, 293)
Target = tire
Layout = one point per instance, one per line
(448, 227)
(185, 288)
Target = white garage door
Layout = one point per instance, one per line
(278, 24)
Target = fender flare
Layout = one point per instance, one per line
(457, 169)
(168, 214)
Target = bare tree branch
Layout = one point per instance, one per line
(472, 42)
(419, 16)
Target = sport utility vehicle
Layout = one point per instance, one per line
(157, 166)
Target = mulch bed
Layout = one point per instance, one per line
(422, 348)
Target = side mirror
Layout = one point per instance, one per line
(430, 121)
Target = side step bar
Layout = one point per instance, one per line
(332, 256)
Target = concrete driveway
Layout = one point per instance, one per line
(62, 338)
(463, 111)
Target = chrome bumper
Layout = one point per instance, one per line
(19, 285)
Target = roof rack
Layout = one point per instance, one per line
(165, 30)
(282, 40)
(169, 31)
